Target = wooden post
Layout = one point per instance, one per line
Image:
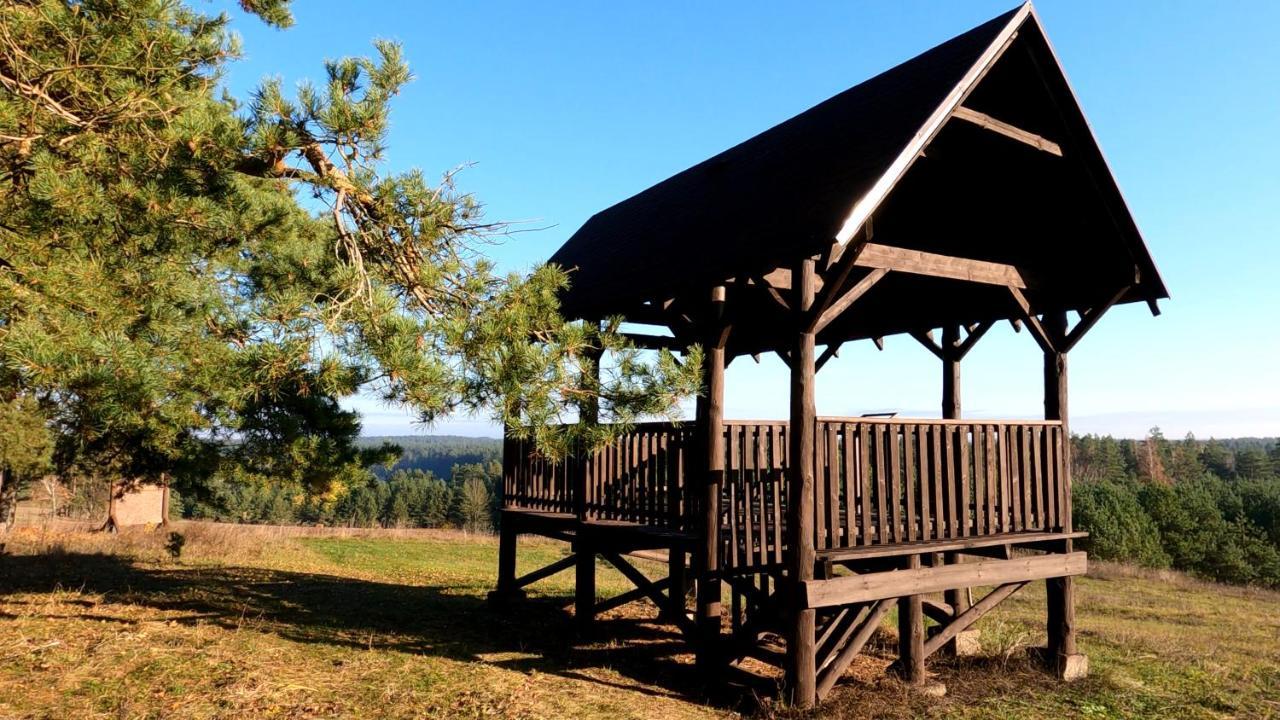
(506, 589)
(801, 651)
(957, 598)
(911, 633)
(1062, 655)
(584, 591)
(711, 423)
(951, 372)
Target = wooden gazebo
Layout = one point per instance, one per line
(957, 190)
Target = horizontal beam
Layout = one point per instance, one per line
(917, 262)
(901, 583)
(656, 342)
(1000, 127)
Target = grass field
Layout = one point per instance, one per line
(297, 623)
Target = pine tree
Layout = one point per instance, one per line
(160, 280)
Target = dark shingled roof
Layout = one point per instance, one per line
(787, 192)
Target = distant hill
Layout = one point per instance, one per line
(437, 454)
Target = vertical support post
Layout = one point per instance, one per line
(801, 651)
(506, 589)
(584, 591)
(911, 633)
(711, 424)
(1061, 653)
(957, 598)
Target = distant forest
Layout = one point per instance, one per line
(436, 454)
(1210, 508)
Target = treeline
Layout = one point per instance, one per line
(462, 495)
(1208, 508)
(437, 454)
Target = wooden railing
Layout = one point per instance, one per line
(879, 482)
(637, 478)
(876, 482)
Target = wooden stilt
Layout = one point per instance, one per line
(675, 609)
(711, 423)
(508, 589)
(911, 634)
(957, 598)
(584, 590)
(1061, 652)
(801, 645)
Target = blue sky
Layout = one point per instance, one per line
(568, 109)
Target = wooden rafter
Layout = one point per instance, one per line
(832, 351)
(975, 334)
(821, 320)
(925, 338)
(1090, 318)
(1038, 331)
(918, 262)
(1000, 127)
(656, 342)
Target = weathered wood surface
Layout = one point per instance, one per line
(898, 583)
(879, 485)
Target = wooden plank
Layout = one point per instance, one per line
(1044, 467)
(882, 510)
(1038, 540)
(993, 480)
(937, 480)
(839, 535)
(951, 484)
(732, 479)
(821, 537)
(911, 481)
(749, 486)
(1031, 479)
(779, 489)
(1029, 509)
(895, 483)
(1012, 132)
(865, 480)
(917, 262)
(1014, 478)
(964, 496)
(850, 485)
(846, 589)
(924, 478)
(979, 481)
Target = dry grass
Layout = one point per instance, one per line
(307, 622)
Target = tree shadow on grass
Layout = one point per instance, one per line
(536, 634)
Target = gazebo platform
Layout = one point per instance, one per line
(958, 190)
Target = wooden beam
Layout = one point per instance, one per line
(853, 646)
(558, 566)
(987, 122)
(656, 342)
(918, 262)
(970, 616)
(925, 338)
(911, 649)
(898, 583)
(832, 351)
(780, 279)
(975, 334)
(1037, 330)
(773, 293)
(1090, 318)
(821, 321)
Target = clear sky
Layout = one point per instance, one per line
(566, 108)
